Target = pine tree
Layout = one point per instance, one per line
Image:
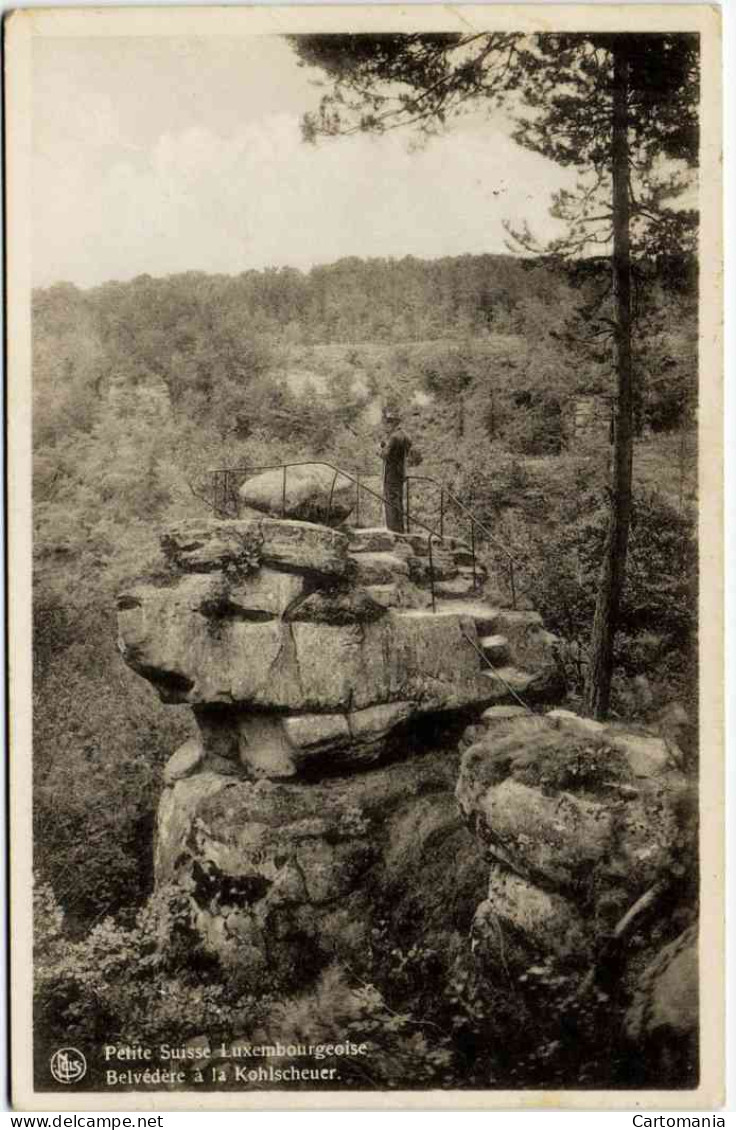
(621, 108)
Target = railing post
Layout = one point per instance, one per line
(219, 491)
(442, 512)
(283, 495)
(357, 499)
(513, 586)
(408, 507)
(472, 550)
(329, 504)
(431, 572)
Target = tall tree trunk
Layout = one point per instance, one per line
(613, 569)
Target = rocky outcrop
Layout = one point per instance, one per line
(578, 821)
(590, 834)
(322, 801)
(276, 879)
(275, 632)
(662, 1019)
(305, 652)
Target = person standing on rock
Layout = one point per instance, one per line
(395, 449)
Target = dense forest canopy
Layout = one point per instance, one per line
(211, 337)
(351, 300)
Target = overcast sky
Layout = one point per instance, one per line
(160, 155)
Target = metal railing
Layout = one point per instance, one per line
(226, 499)
(447, 496)
(226, 502)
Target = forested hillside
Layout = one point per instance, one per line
(140, 387)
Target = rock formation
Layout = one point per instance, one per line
(281, 877)
(295, 643)
(578, 820)
(304, 652)
(590, 832)
(662, 1018)
(330, 673)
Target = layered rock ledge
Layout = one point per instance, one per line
(273, 631)
(311, 657)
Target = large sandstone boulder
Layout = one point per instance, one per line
(663, 1018)
(198, 651)
(295, 643)
(311, 493)
(274, 632)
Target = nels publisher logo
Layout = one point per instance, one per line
(68, 1065)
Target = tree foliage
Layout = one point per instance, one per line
(558, 89)
(621, 108)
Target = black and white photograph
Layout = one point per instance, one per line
(366, 674)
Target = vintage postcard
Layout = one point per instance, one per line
(365, 527)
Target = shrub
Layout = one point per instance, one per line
(555, 531)
(101, 738)
(658, 615)
(117, 984)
